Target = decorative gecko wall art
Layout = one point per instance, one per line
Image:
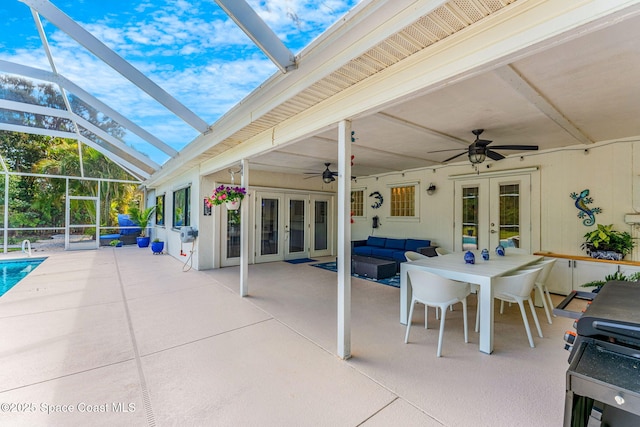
(588, 215)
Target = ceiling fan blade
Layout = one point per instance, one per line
(457, 155)
(493, 155)
(450, 149)
(515, 147)
(313, 176)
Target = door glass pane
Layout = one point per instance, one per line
(233, 234)
(321, 229)
(510, 215)
(296, 226)
(269, 227)
(470, 218)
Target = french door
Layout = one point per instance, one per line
(296, 227)
(282, 226)
(493, 211)
(321, 234)
(230, 243)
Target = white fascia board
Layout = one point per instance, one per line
(47, 76)
(360, 30)
(258, 31)
(86, 39)
(497, 41)
(64, 114)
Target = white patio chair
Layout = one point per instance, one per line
(517, 288)
(541, 284)
(436, 291)
(414, 256)
(441, 251)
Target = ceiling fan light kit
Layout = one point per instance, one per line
(476, 154)
(478, 150)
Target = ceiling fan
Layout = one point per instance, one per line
(478, 150)
(327, 175)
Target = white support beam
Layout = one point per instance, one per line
(344, 239)
(514, 79)
(47, 76)
(258, 31)
(244, 233)
(95, 46)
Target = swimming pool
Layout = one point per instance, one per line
(12, 271)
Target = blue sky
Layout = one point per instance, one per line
(190, 48)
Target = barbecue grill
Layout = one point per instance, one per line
(604, 363)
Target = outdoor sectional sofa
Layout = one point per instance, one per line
(390, 248)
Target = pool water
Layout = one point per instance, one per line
(12, 271)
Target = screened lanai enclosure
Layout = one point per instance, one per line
(81, 127)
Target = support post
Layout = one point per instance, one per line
(344, 239)
(244, 232)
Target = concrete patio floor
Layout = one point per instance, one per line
(118, 336)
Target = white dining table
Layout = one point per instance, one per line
(482, 273)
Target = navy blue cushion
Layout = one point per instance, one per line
(414, 244)
(110, 236)
(363, 250)
(399, 256)
(382, 253)
(394, 244)
(376, 241)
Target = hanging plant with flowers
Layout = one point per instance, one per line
(224, 194)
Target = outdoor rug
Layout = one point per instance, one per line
(391, 281)
(300, 260)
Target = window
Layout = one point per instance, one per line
(357, 203)
(470, 217)
(181, 211)
(160, 210)
(509, 211)
(403, 201)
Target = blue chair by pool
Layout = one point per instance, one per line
(126, 235)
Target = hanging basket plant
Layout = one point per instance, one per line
(230, 196)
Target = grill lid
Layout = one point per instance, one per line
(614, 313)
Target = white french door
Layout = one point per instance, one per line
(492, 211)
(282, 226)
(230, 243)
(296, 226)
(269, 227)
(321, 234)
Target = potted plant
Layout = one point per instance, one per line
(230, 196)
(606, 243)
(617, 276)
(116, 243)
(157, 246)
(141, 218)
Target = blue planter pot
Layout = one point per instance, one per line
(157, 247)
(143, 242)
